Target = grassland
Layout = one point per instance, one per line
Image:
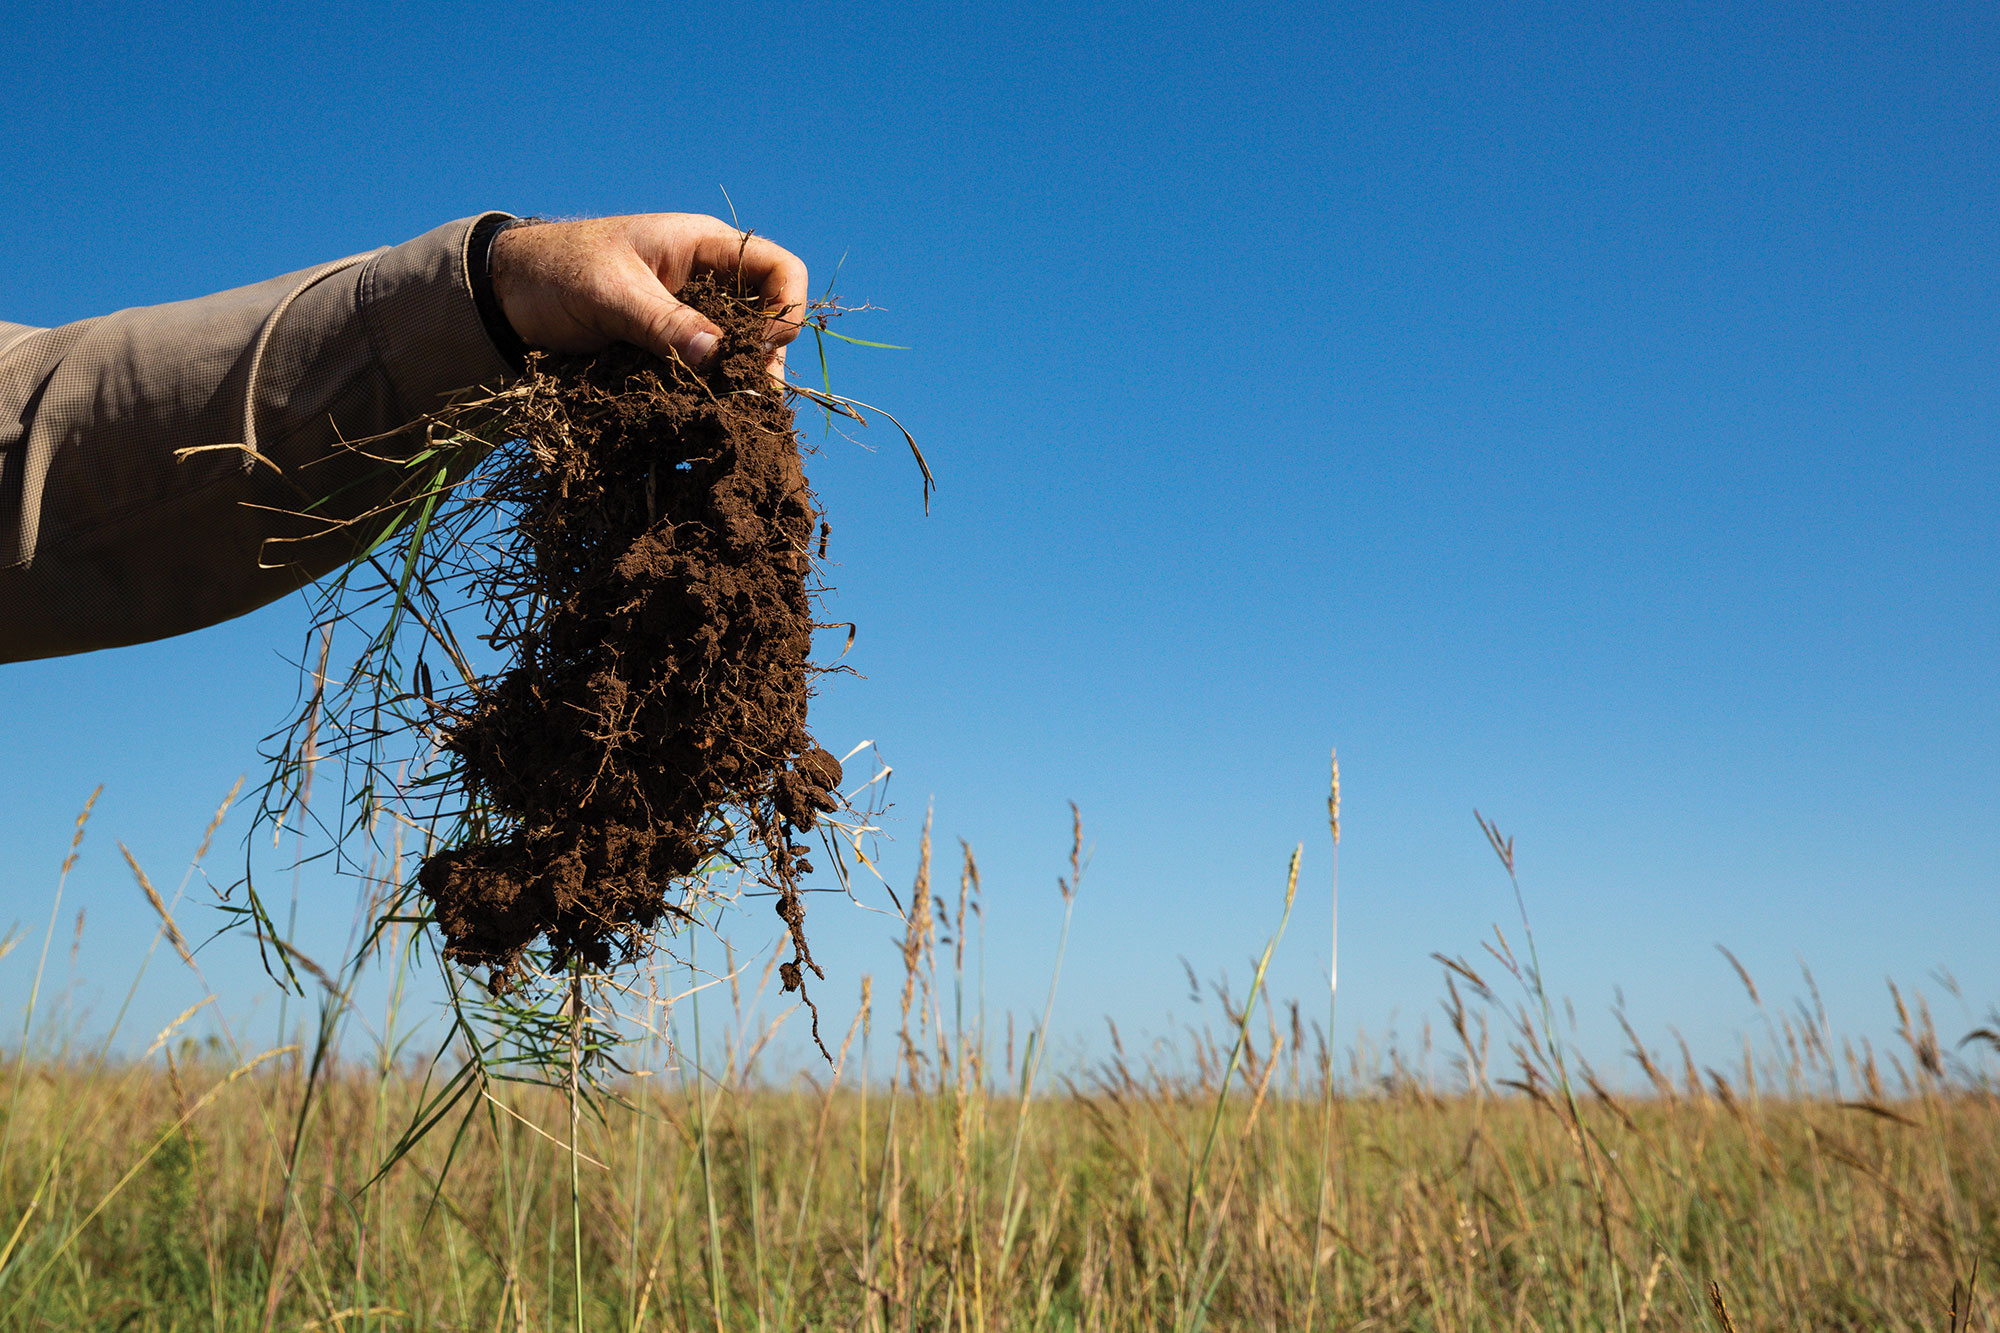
(1248, 1179)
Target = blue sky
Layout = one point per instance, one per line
(1584, 416)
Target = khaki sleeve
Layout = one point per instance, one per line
(110, 533)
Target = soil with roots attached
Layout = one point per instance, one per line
(656, 605)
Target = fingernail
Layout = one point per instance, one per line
(700, 348)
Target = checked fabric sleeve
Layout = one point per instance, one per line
(121, 522)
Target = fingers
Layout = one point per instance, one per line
(658, 322)
(667, 328)
(781, 277)
(574, 287)
(777, 274)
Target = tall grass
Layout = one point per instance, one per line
(1242, 1177)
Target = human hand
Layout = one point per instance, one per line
(581, 286)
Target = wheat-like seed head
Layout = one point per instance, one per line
(1333, 799)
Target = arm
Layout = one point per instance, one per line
(108, 537)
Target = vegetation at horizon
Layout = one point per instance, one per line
(942, 1175)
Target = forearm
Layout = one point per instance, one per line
(111, 532)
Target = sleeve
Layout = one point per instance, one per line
(112, 532)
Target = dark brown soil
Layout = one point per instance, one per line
(660, 628)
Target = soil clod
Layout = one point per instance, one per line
(660, 631)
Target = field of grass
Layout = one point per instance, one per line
(1248, 1179)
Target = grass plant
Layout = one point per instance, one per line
(1244, 1175)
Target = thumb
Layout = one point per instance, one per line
(666, 328)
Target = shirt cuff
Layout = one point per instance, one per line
(479, 269)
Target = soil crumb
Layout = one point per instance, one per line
(656, 610)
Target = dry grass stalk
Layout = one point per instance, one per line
(167, 923)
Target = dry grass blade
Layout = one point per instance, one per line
(1880, 1111)
(167, 922)
(167, 1032)
(215, 821)
(1721, 1308)
(82, 819)
(182, 455)
(845, 406)
(338, 1319)
(318, 973)
(1742, 973)
(1502, 847)
(1989, 1036)
(1960, 1310)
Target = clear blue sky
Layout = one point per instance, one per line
(1587, 415)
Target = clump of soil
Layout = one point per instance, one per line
(656, 606)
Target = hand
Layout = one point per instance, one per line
(581, 286)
